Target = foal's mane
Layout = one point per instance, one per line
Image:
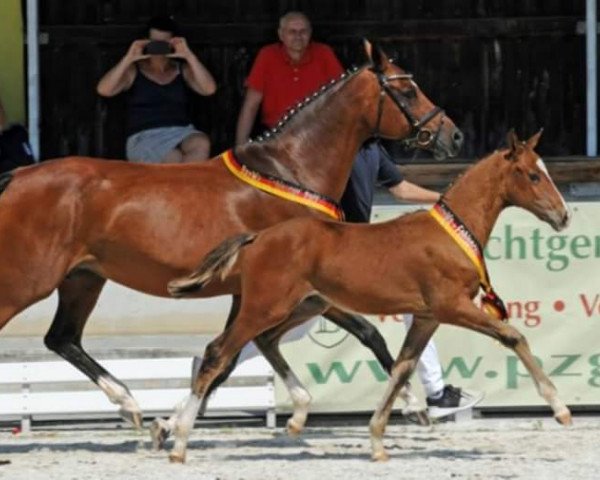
(471, 167)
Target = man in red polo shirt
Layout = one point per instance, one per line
(284, 73)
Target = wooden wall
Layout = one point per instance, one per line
(492, 64)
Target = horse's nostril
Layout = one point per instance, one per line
(457, 137)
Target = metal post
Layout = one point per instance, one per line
(591, 41)
(33, 78)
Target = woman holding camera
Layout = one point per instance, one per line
(159, 128)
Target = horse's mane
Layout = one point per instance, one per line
(296, 109)
(261, 153)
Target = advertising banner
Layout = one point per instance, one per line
(550, 283)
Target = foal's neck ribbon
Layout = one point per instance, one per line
(458, 231)
(282, 188)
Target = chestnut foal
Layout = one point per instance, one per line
(416, 263)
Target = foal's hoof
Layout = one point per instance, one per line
(564, 417)
(133, 417)
(380, 456)
(293, 429)
(159, 432)
(176, 458)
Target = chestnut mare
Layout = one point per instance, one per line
(410, 264)
(70, 224)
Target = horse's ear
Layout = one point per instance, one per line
(512, 142)
(378, 59)
(533, 141)
(368, 49)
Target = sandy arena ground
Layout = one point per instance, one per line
(477, 449)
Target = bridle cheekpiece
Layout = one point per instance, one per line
(423, 137)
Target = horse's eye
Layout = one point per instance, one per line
(409, 93)
(534, 177)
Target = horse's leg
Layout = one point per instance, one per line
(253, 319)
(77, 296)
(417, 337)
(466, 314)
(365, 332)
(268, 344)
(161, 429)
(371, 338)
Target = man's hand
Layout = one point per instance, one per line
(181, 49)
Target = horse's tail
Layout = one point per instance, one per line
(219, 261)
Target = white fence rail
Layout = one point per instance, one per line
(55, 388)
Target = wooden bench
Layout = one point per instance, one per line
(55, 389)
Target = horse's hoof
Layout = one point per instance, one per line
(159, 433)
(423, 418)
(564, 417)
(420, 417)
(293, 429)
(380, 456)
(133, 417)
(176, 458)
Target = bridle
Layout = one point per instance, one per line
(423, 137)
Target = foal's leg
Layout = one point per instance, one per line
(77, 296)
(417, 337)
(358, 326)
(371, 338)
(466, 314)
(270, 308)
(160, 429)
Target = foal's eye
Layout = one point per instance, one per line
(534, 177)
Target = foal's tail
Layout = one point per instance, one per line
(217, 262)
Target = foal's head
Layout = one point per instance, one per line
(404, 111)
(528, 184)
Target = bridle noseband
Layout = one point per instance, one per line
(422, 137)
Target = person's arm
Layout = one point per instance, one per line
(195, 74)
(3, 120)
(122, 75)
(389, 176)
(247, 116)
(409, 192)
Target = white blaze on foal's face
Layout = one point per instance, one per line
(542, 166)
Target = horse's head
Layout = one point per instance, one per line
(528, 183)
(403, 110)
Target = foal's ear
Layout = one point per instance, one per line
(533, 141)
(513, 143)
